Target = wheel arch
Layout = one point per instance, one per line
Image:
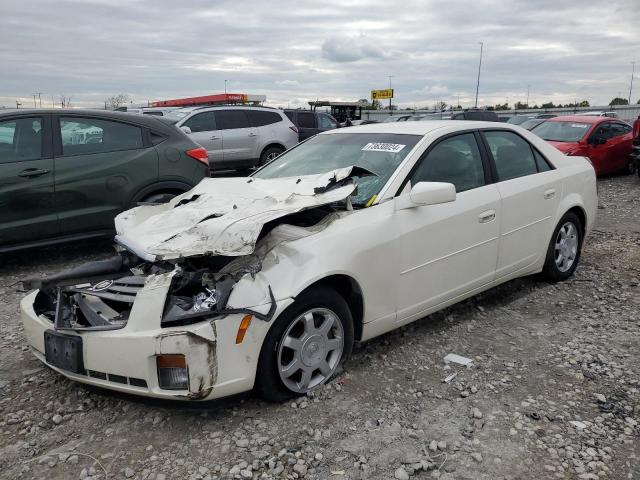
(160, 187)
(351, 291)
(272, 144)
(582, 216)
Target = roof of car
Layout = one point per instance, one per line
(579, 119)
(421, 127)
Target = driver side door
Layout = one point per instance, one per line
(448, 250)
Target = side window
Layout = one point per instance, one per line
(454, 160)
(306, 120)
(83, 136)
(202, 122)
(20, 139)
(604, 131)
(231, 119)
(619, 129)
(326, 122)
(543, 164)
(512, 154)
(290, 116)
(260, 118)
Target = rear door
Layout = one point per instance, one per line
(239, 138)
(307, 125)
(100, 165)
(205, 133)
(620, 148)
(529, 192)
(27, 207)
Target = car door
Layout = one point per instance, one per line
(205, 133)
(620, 146)
(27, 206)
(239, 138)
(448, 250)
(100, 165)
(529, 192)
(597, 148)
(307, 126)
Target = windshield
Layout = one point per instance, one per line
(518, 119)
(561, 131)
(379, 153)
(531, 123)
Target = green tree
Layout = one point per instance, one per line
(619, 101)
(584, 103)
(520, 106)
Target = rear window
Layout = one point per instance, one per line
(306, 120)
(561, 131)
(260, 118)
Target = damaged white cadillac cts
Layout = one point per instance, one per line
(266, 282)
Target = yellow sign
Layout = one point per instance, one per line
(382, 94)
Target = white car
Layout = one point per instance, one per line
(266, 282)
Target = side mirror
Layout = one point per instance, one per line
(427, 193)
(186, 130)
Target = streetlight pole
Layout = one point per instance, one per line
(479, 67)
(34, 100)
(40, 99)
(633, 70)
(225, 87)
(390, 111)
(528, 87)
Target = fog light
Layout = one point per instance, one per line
(172, 372)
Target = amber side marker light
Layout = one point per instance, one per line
(242, 329)
(172, 372)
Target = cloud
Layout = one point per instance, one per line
(305, 50)
(350, 49)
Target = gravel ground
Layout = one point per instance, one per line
(553, 391)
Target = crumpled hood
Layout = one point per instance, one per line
(224, 216)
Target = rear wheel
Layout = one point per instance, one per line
(270, 154)
(564, 249)
(306, 346)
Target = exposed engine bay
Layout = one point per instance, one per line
(99, 295)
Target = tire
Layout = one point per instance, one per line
(563, 253)
(159, 197)
(285, 344)
(269, 154)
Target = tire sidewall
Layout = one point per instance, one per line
(268, 383)
(550, 270)
(264, 157)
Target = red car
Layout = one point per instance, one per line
(603, 140)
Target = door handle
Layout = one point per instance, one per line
(253, 134)
(487, 216)
(32, 172)
(215, 138)
(550, 193)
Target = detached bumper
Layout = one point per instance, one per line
(125, 359)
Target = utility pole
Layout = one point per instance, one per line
(40, 98)
(479, 67)
(225, 87)
(528, 87)
(390, 111)
(34, 101)
(633, 70)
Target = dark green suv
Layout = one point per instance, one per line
(65, 174)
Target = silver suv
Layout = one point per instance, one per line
(237, 137)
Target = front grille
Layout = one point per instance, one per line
(134, 382)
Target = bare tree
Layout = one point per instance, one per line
(65, 101)
(116, 101)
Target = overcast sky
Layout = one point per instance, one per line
(296, 51)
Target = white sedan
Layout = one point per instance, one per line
(266, 282)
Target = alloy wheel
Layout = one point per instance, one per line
(566, 246)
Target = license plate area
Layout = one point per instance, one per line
(63, 351)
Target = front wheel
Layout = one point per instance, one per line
(564, 249)
(306, 346)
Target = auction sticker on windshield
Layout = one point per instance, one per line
(383, 147)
